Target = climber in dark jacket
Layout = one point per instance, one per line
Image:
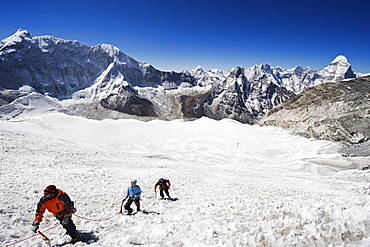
(164, 185)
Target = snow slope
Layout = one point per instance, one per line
(237, 185)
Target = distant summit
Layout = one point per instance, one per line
(18, 36)
(340, 59)
(339, 69)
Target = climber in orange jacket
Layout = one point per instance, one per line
(60, 205)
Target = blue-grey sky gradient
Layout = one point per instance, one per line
(182, 34)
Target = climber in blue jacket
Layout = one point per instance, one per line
(133, 194)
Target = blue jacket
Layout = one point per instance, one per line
(134, 191)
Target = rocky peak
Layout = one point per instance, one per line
(339, 69)
(17, 37)
(198, 72)
(21, 33)
(237, 71)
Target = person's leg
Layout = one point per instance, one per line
(70, 227)
(128, 204)
(137, 203)
(167, 193)
(161, 193)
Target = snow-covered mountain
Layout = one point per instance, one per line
(103, 82)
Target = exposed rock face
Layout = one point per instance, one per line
(243, 99)
(170, 80)
(236, 97)
(337, 111)
(128, 102)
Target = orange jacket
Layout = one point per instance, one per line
(59, 205)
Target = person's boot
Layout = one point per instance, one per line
(129, 211)
(75, 240)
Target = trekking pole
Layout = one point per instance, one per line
(155, 194)
(48, 241)
(122, 204)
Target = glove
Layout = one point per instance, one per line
(35, 226)
(168, 187)
(59, 214)
(74, 210)
(66, 220)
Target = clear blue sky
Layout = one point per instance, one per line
(182, 34)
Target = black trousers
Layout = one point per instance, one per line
(70, 227)
(130, 201)
(165, 190)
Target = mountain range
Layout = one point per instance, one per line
(102, 82)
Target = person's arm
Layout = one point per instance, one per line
(128, 192)
(40, 210)
(67, 204)
(138, 193)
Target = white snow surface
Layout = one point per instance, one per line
(236, 184)
(340, 58)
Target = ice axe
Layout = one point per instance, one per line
(45, 238)
(124, 199)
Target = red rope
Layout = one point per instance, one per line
(95, 220)
(37, 234)
(56, 226)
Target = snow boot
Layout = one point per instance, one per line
(129, 211)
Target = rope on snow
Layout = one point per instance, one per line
(94, 219)
(37, 234)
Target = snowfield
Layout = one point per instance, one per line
(237, 185)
